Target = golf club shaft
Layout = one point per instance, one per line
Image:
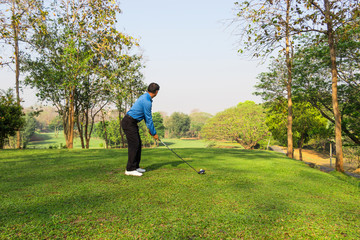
(177, 155)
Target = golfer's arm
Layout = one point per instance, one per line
(148, 119)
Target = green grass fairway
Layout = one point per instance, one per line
(183, 143)
(45, 140)
(73, 194)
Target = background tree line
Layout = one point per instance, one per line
(107, 125)
(292, 26)
(73, 55)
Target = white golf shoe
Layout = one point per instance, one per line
(141, 170)
(133, 173)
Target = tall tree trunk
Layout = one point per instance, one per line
(91, 128)
(80, 129)
(15, 27)
(337, 115)
(86, 132)
(87, 143)
(106, 138)
(65, 124)
(290, 147)
(70, 120)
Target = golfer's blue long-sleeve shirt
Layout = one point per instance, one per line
(142, 110)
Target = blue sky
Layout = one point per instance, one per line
(189, 51)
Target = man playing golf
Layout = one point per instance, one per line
(139, 111)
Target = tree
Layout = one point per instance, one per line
(113, 133)
(198, 120)
(159, 124)
(244, 124)
(29, 128)
(109, 131)
(271, 85)
(328, 17)
(91, 98)
(101, 130)
(71, 48)
(179, 124)
(308, 122)
(313, 82)
(16, 18)
(47, 115)
(146, 139)
(56, 125)
(10, 116)
(125, 84)
(266, 26)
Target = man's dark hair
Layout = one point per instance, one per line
(153, 87)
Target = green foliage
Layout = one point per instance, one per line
(113, 131)
(312, 81)
(308, 123)
(146, 139)
(244, 124)
(56, 124)
(243, 195)
(11, 119)
(352, 155)
(179, 124)
(76, 45)
(271, 85)
(312, 84)
(198, 120)
(114, 136)
(29, 128)
(99, 129)
(159, 124)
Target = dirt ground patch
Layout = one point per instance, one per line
(321, 159)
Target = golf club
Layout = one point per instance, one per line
(202, 171)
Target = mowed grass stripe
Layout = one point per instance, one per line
(244, 194)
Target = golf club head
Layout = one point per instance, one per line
(202, 171)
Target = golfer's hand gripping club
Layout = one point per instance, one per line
(156, 137)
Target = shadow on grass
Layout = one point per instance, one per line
(156, 166)
(167, 143)
(76, 195)
(42, 143)
(40, 137)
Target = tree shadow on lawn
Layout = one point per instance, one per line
(241, 154)
(41, 142)
(40, 137)
(263, 205)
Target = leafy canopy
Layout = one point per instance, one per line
(244, 124)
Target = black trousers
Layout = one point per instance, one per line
(131, 129)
